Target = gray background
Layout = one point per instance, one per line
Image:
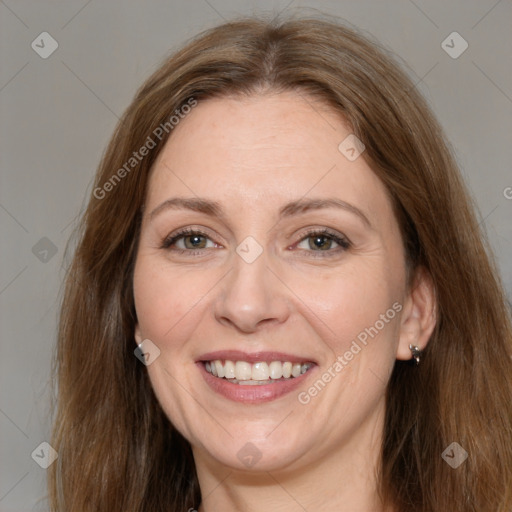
(58, 113)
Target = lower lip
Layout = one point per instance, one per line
(254, 394)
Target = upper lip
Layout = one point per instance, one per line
(254, 357)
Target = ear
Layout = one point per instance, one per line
(138, 336)
(419, 315)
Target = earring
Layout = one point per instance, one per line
(416, 353)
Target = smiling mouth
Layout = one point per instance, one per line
(256, 374)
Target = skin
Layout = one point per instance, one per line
(253, 155)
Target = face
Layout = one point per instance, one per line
(291, 262)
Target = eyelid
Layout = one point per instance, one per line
(340, 239)
(182, 233)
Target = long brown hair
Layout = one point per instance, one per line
(118, 451)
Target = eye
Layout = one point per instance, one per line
(192, 239)
(321, 241)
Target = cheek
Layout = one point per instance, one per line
(357, 318)
(163, 298)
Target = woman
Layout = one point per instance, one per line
(281, 299)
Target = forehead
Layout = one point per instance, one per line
(263, 150)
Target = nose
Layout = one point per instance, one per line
(251, 296)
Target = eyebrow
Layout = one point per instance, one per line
(214, 209)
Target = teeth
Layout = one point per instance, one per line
(242, 372)
(219, 368)
(276, 369)
(260, 371)
(229, 370)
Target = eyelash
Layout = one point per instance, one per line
(344, 243)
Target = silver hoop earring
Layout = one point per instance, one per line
(416, 353)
